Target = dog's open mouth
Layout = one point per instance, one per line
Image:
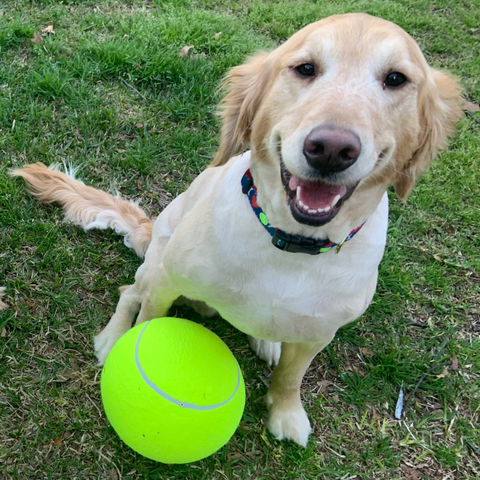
(314, 202)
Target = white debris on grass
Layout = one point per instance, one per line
(399, 407)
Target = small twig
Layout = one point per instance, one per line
(133, 88)
(470, 114)
(415, 324)
(422, 378)
(413, 436)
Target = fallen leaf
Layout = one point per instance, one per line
(32, 306)
(443, 374)
(436, 257)
(233, 456)
(471, 107)
(58, 441)
(18, 312)
(454, 362)
(75, 367)
(323, 385)
(37, 38)
(184, 51)
(412, 475)
(139, 125)
(67, 375)
(112, 474)
(217, 35)
(365, 351)
(376, 415)
(78, 135)
(48, 29)
(4, 332)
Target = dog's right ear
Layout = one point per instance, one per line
(246, 86)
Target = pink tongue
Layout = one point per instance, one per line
(316, 194)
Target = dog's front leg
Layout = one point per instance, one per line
(152, 294)
(159, 297)
(287, 417)
(121, 321)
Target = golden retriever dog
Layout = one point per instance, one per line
(284, 240)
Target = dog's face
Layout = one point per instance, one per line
(345, 103)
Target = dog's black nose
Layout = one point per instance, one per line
(331, 149)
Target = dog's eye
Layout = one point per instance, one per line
(306, 70)
(394, 79)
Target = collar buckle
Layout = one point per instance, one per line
(295, 244)
(341, 244)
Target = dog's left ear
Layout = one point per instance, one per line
(440, 108)
(246, 86)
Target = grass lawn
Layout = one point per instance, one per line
(108, 93)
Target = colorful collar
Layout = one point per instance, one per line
(285, 241)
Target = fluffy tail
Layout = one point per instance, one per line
(87, 207)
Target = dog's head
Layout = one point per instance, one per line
(346, 103)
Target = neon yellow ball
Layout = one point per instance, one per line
(172, 390)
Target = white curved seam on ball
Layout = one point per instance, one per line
(165, 395)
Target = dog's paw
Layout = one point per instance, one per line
(268, 351)
(104, 342)
(291, 425)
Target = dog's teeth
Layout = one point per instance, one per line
(298, 192)
(320, 210)
(302, 205)
(312, 211)
(335, 200)
(326, 209)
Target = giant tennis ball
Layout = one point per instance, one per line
(172, 390)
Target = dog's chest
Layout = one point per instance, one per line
(293, 307)
(274, 295)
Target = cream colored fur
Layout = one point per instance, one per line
(3, 305)
(208, 246)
